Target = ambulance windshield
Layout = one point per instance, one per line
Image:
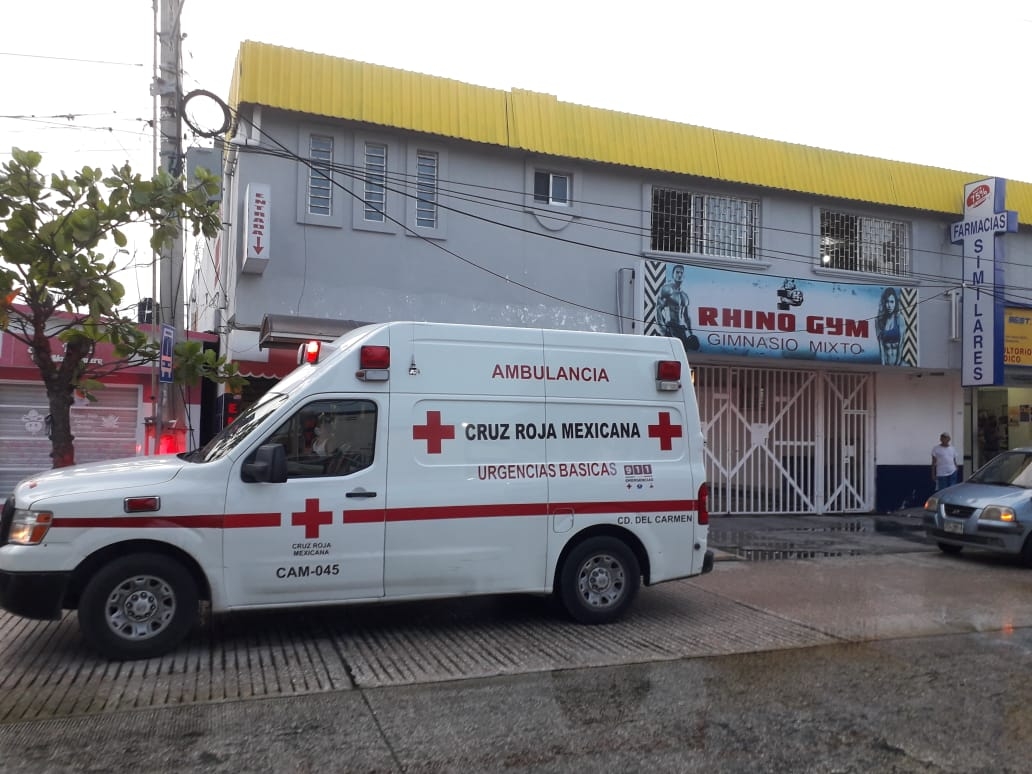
(241, 427)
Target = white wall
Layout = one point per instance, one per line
(911, 410)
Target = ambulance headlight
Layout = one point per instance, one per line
(28, 528)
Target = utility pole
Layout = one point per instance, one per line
(170, 417)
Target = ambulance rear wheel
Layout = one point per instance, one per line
(599, 580)
(138, 606)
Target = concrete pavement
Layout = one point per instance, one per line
(739, 670)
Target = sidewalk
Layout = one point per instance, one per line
(769, 537)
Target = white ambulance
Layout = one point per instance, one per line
(401, 461)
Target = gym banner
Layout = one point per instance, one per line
(721, 312)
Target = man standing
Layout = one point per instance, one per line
(944, 463)
(672, 310)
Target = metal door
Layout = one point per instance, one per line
(786, 441)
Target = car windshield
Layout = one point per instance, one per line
(1013, 468)
(238, 429)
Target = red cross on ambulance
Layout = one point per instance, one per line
(311, 518)
(433, 432)
(664, 431)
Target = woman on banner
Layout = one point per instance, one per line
(889, 328)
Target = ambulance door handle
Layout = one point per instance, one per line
(360, 493)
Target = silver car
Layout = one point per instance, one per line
(992, 510)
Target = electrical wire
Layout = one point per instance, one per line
(931, 280)
(583, 222)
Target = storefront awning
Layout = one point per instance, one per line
(283, 331)
(280, 363)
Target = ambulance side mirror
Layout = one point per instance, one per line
(269, 466)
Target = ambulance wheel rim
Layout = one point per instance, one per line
(601, 580)
(140, 607)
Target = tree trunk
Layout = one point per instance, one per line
(62, 447)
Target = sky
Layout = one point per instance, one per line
(936, 82)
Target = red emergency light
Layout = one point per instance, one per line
(668, 375)
(374, 362)
(309, 352)
(375, 357)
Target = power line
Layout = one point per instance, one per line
(72, 59)
(785, 256)
(320, 168)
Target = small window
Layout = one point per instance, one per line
(551, 188)
(868, 245)
(375, 182)
(427, 164)
(320, 184)
(329, 438)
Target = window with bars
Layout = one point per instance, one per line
(863, 244)
(375, 196)
(552, 188)
(320, 184)
(427, 166)
(691, 223)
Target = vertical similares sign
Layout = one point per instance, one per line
(981, 232)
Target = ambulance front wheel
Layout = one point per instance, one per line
(138, 606)
(599, 580)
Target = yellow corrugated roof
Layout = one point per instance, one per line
(317, 84)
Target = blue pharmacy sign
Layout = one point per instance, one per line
(168, 341)
(981, 232)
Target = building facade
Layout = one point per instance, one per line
(819, 294)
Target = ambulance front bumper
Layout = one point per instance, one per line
(33, 594)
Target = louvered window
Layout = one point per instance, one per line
(375, 196)
(427, 164)
(320, 185)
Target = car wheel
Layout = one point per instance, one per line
(138, 606)
(1026, 552)
(599, 580)
(949, 548)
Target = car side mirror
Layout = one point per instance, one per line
(269, 465)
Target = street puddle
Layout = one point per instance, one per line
(790, 552)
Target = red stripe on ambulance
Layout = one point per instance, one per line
(374, 515)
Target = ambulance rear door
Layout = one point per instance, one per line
(622, 453)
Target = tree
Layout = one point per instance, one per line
(50, 261)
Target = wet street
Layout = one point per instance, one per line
(878, 654)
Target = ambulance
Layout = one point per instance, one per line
(402, 461)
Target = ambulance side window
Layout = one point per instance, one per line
(329, 438)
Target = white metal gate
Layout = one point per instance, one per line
(785, 441)
(103, 430)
